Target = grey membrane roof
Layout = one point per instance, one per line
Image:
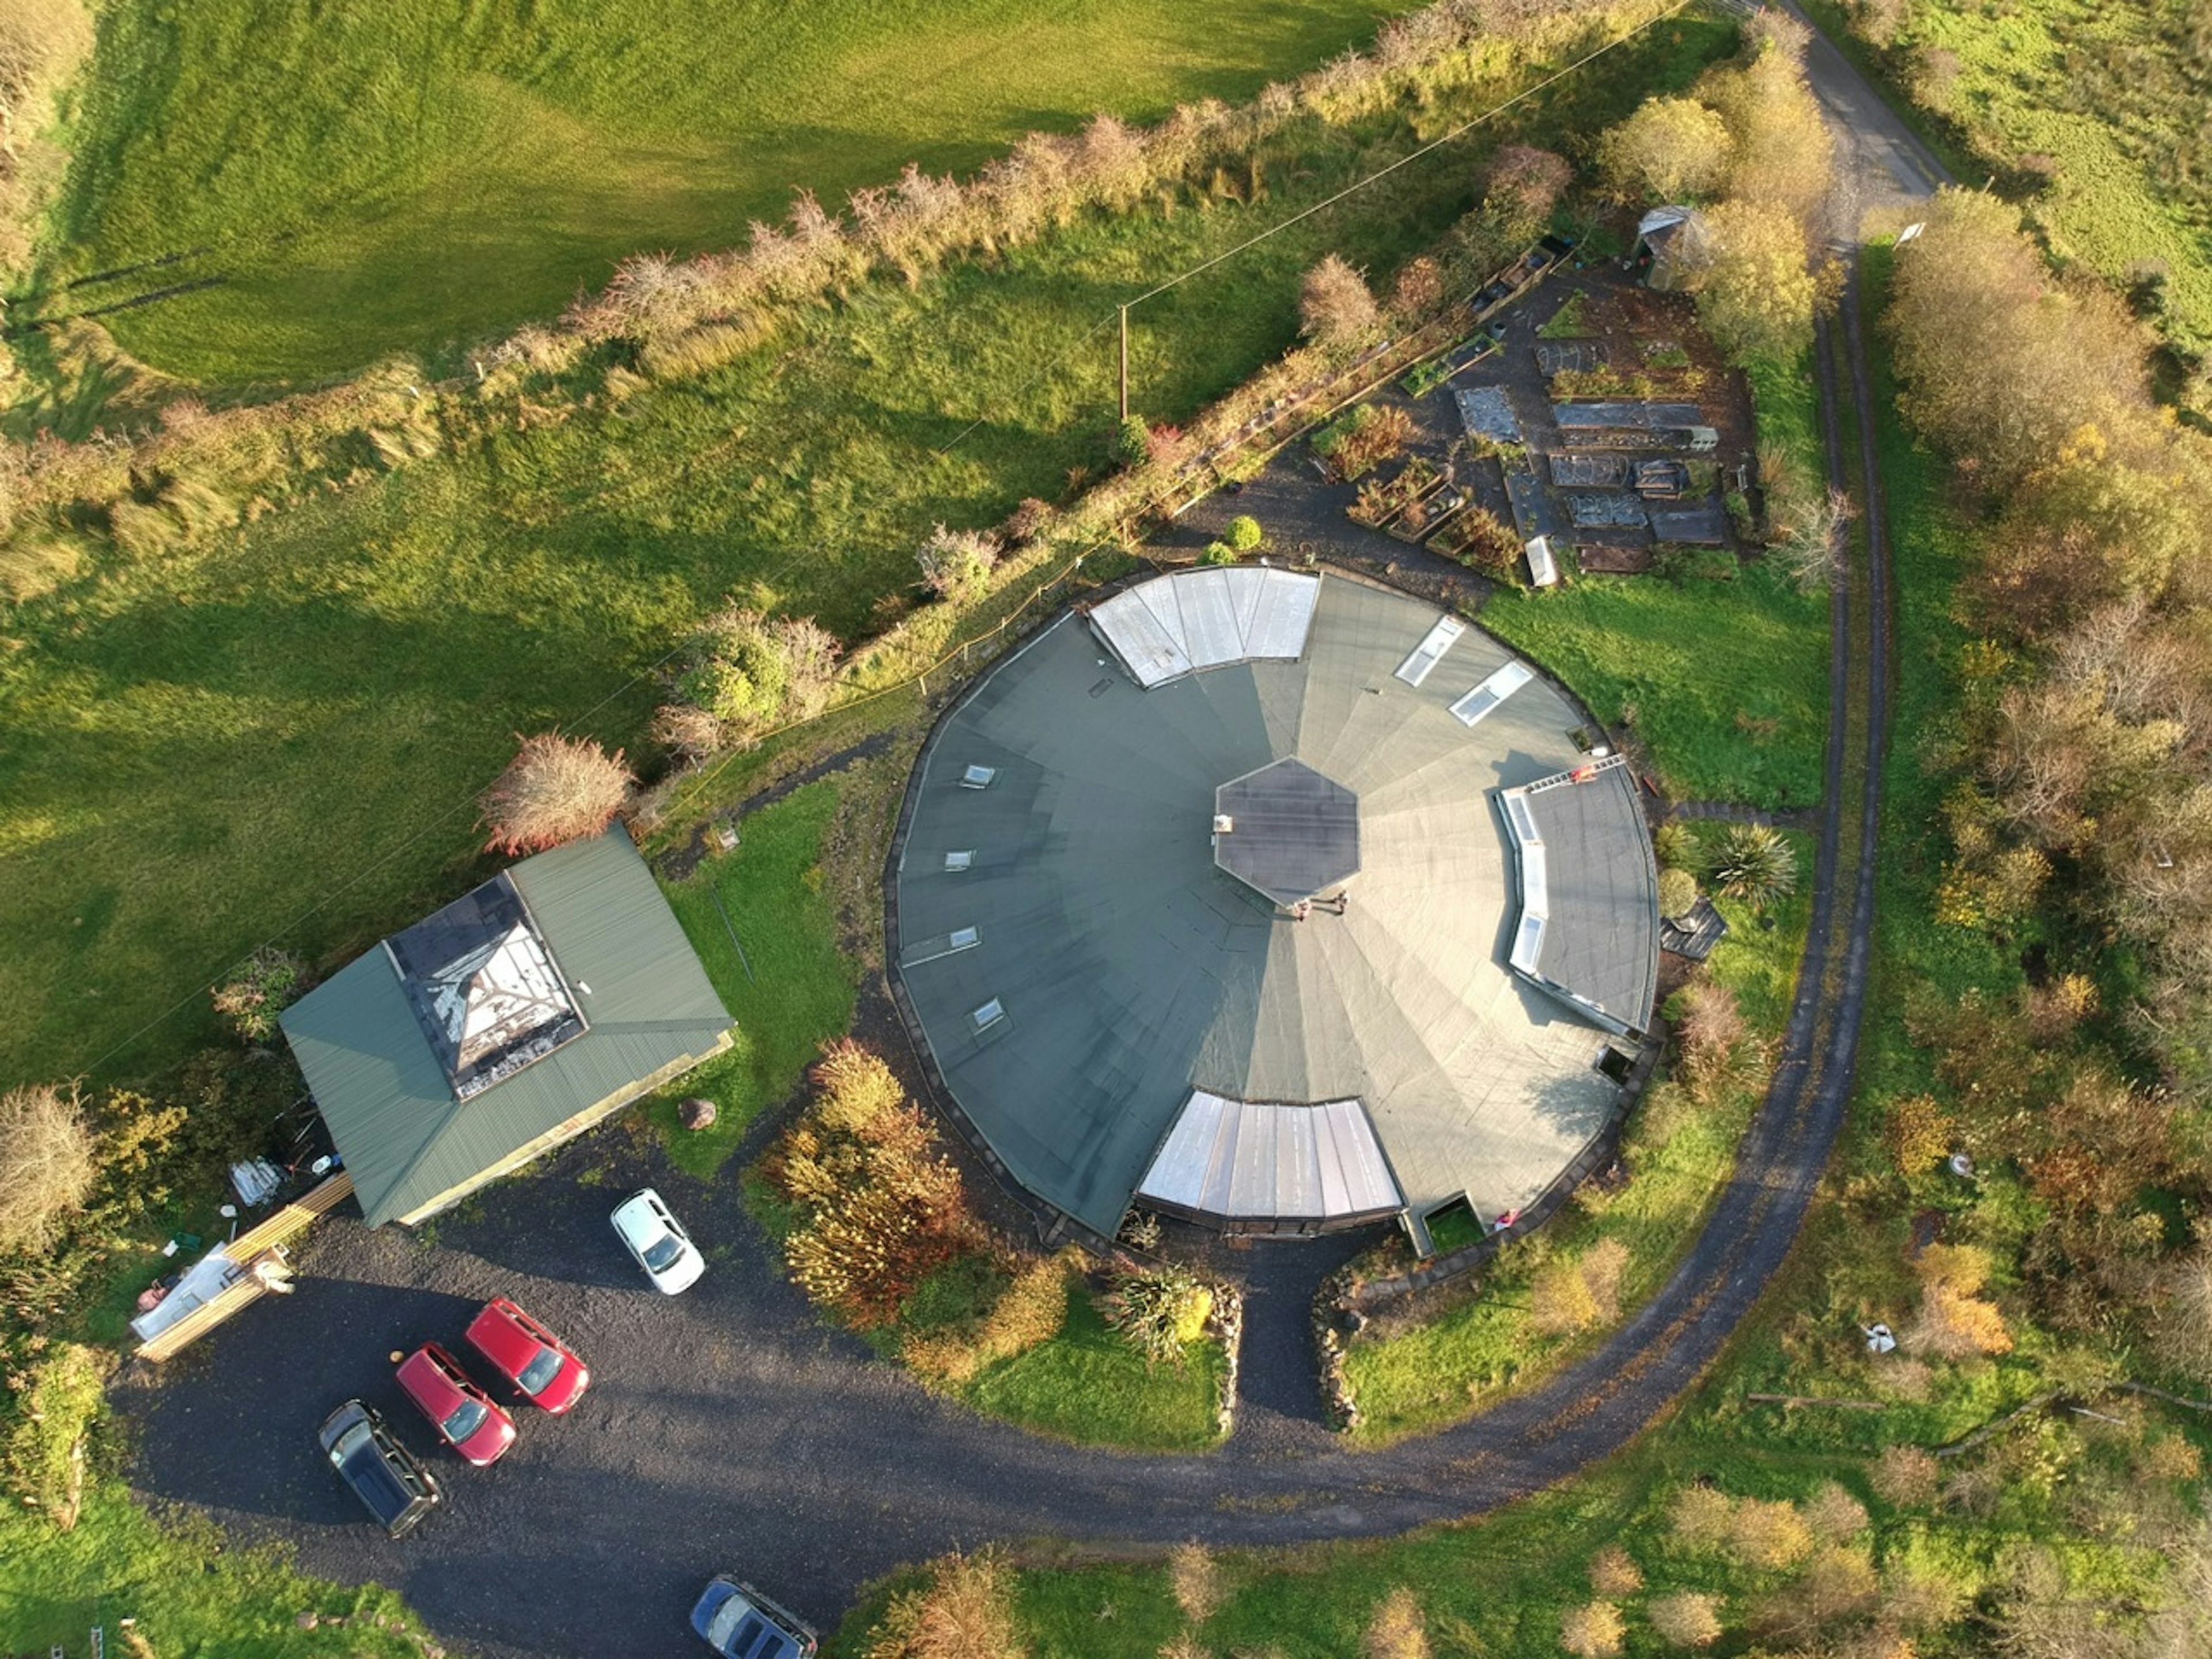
(1286, 831)
(1117, 973)
(386, 1092)
(1590, 914)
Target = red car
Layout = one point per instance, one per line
(468, 1419)
(529, 1356)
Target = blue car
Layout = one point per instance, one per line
(740, 1622)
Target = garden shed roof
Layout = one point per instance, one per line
(608, 996)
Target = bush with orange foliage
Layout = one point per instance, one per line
(882, 1206)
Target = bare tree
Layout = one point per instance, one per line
(555, 789)
(1335, 309)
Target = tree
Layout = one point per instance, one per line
(1336, 311)
(1672, 150)
(1593, 1631)
(2182, 1333)
(1523, 183)
(48, 1164)
(555, 789)
(268, 982)
(1687, 1619)
(1133, 441)
(1754, 864)
(1905, 1476)
(956, 564)
(1418, 291)
(1756, 295)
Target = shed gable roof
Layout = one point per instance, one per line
(388, 1100)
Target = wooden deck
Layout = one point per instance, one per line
(250, 1248)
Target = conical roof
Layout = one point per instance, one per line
(1109, 970)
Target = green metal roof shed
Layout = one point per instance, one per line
(566, 986)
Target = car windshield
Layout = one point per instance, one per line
(540, 1372)
(350, 1441)
(468, 1417)
(660, 1255)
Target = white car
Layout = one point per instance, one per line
(661, 1246)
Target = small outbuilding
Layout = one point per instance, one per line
(1673, 246)
(516, 1017)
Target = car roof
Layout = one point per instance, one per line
(377, 1482)
(421, 1375)
(505, 1342)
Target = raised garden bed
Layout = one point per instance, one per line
(1381, 500)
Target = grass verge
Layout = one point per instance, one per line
(763, 924)
(1088, 1385)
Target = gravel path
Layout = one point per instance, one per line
(727, 1430)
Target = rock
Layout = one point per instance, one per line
(307, 1621)
(695, 1114)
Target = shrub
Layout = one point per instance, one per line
(1918, 1134)
(1687, 1619)
(1701, 1517)
(1954, 1323)
(1671, 149)
(1244, 533)
(1614, 1572)
(956, 564)
(1159, 1310)
(1593, 1631)
(1029, 1312)
(1718, 1047)
(1768, 1534)
(1336, 311)
(555, 789)
(1834, 1515)
(751, 671)
(1524, 183)
(1418, 291)
(1396, 1629)
(965, 1611)
(1754, 864)
(269, 982)
(1133, 442)
(1675, 845)
(1195, 1578)
(881, 1208)
(59, 1402)
(1678, 892)
(48, 1164)
(1569, 1298)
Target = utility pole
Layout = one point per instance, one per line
(1124, 362)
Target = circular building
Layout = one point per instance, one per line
(1279, 901)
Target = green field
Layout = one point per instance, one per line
(410, 177)
(284, 732)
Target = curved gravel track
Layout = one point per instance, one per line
(727, 1429)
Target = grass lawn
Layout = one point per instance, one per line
(1088, 1385)
(282, 735)
(191, 1589)
(800, 988)
(1472, 1354)
(410, 177)
(1725, 683)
